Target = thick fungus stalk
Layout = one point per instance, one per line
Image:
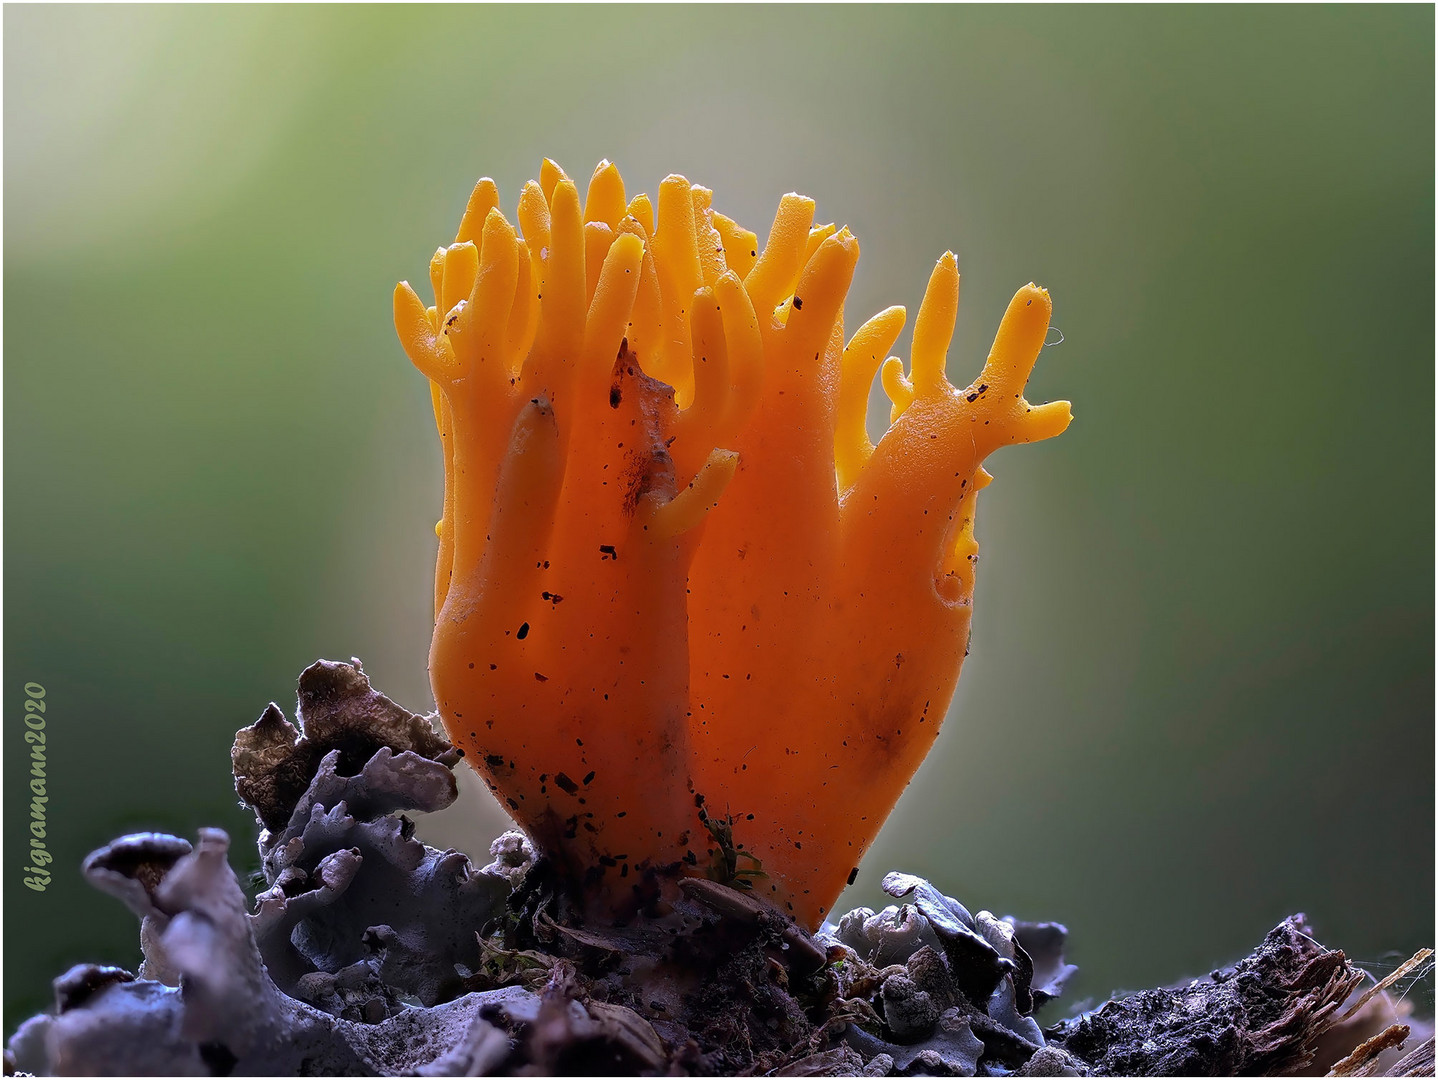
(682, 601)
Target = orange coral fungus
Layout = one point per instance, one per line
(678, 588)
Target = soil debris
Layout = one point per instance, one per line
(369, 953)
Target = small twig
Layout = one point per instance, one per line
(1368, 1050)
(1419, 1062)
(748, 910)
(1403, 969)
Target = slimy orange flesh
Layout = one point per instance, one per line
(673, 570)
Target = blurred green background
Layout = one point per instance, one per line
(1201, 689)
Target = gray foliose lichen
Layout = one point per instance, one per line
(359, 922)
(366, 952)
(957, 990)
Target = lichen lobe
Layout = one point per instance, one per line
(338, 710)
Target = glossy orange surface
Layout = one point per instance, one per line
(673, 571)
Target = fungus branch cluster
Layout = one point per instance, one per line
(674, 573)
